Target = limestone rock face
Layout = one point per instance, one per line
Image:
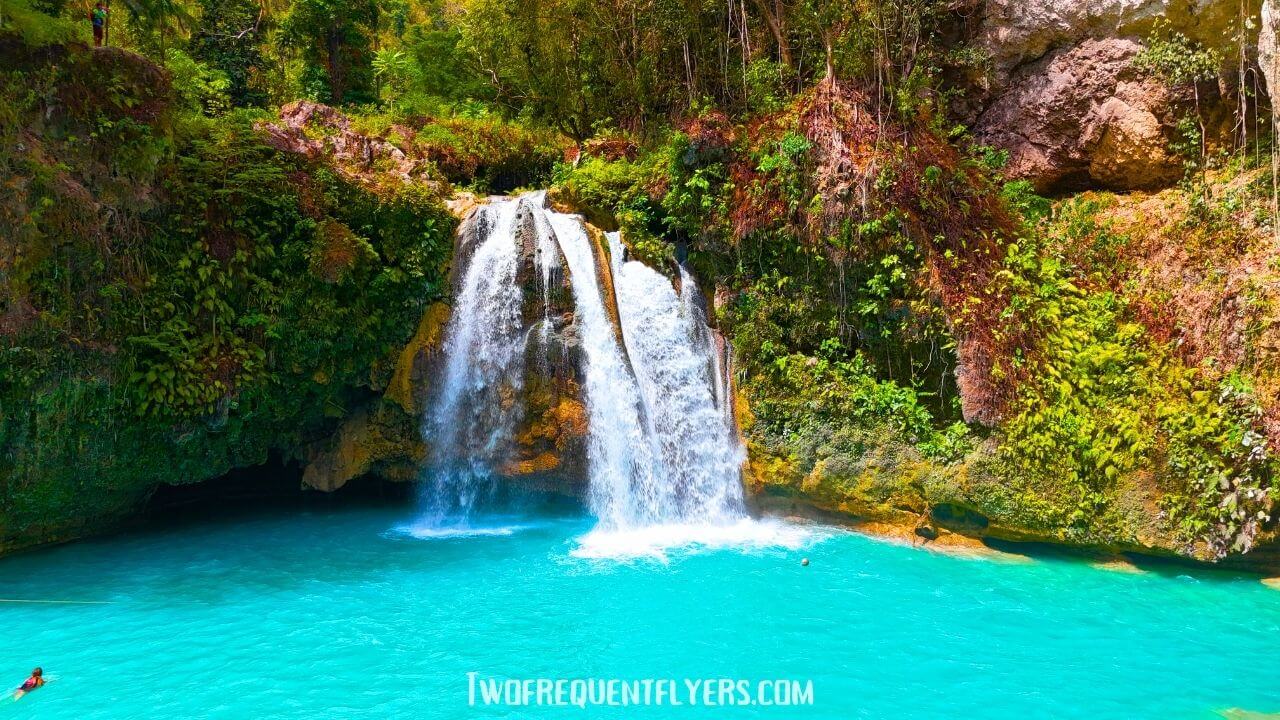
(1015, 32)
(1083, 117)
(385, 436)
(1268, 59)
(380, 439)
(319, 131)
(410, 382)
(550, 441)
(1063, 98)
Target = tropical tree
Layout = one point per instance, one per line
(228, 40)
(157, 21)
(392, 69)
(335, 38)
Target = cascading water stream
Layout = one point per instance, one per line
(712, 346)
(627, 479)
(671, 353)
(662, 450)
(473, 416)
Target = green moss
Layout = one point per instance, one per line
(487, 153)
(237, 312)
(845, 319)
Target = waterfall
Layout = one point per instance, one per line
(474, 413)
(662, 449)
(713, 346)
(548, 261)
(626, 484)
(670, 348)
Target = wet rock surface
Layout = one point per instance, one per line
(548, 452)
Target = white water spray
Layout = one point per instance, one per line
(627, 480)
(670, 349)
(474, 415)
(662, 449)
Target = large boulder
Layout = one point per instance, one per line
(1084, 117)
(1063, 97)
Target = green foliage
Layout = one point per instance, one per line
(1222, 490)
(488, 152)
(244, 274)
(622, 193)
(766, 86)
(446, 75)
(1176, 59)
(234, 304)
(611, 185)
(199, 88)
(335, 38)
(156, 22)
(392, 69)
(1020, 197)
(227, 40)
(1083, 425)
(33, 24)
(1109, 407)
(792, 391)
(1180, 63)
(785, 161)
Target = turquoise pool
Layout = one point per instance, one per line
(349, 614)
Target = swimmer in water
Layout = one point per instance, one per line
(36, 680)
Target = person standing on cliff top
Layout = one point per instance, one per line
(98, 16)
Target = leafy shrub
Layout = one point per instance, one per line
(234, 300)
(487, 152)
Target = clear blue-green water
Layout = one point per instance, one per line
(335, 614)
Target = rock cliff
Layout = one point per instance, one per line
(1064, 97)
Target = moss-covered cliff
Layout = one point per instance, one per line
(179, 297)
(921, 340)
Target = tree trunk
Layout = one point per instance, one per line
(828, 42)
(773, 17)
(334, 48)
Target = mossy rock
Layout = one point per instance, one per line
(381, 439)
(408, 386)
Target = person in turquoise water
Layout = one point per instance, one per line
(36, 680)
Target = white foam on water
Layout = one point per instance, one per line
(428, 531)
(658, 542)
